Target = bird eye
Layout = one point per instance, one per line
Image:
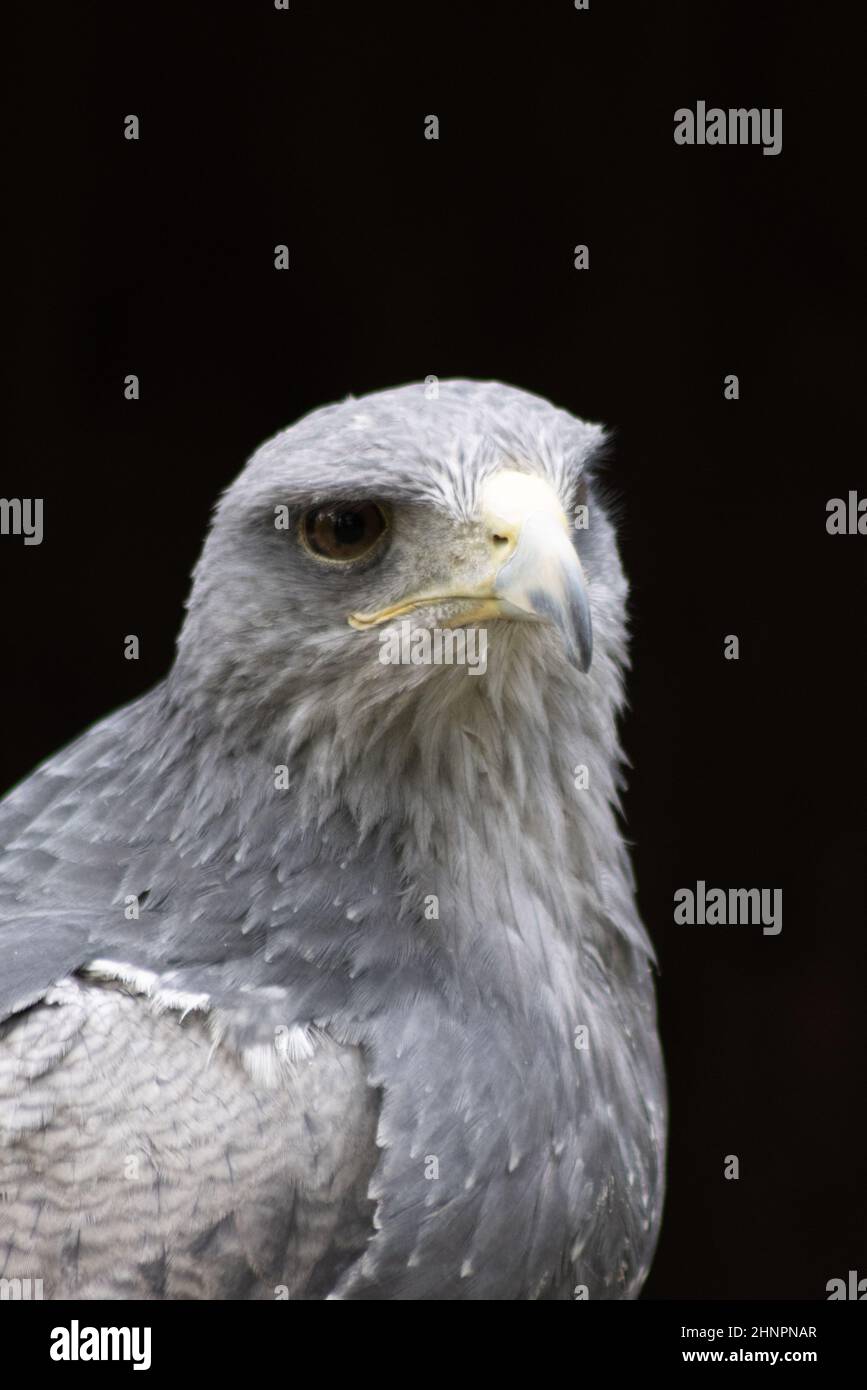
(343, 530)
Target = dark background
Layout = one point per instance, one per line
(410, 258)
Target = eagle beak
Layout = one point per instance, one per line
(543, 579)
(527, 569)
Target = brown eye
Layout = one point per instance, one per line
(343, 530)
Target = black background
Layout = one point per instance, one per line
(411, 257)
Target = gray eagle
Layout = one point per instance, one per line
(321, 975)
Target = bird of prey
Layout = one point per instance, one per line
(321, 977)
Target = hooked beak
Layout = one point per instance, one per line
(527, 569)
(543, 579)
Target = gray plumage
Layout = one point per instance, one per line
(287, 1075)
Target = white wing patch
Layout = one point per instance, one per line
(145, 982)
(266, 1063)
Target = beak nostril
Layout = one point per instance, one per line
(500, 540)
